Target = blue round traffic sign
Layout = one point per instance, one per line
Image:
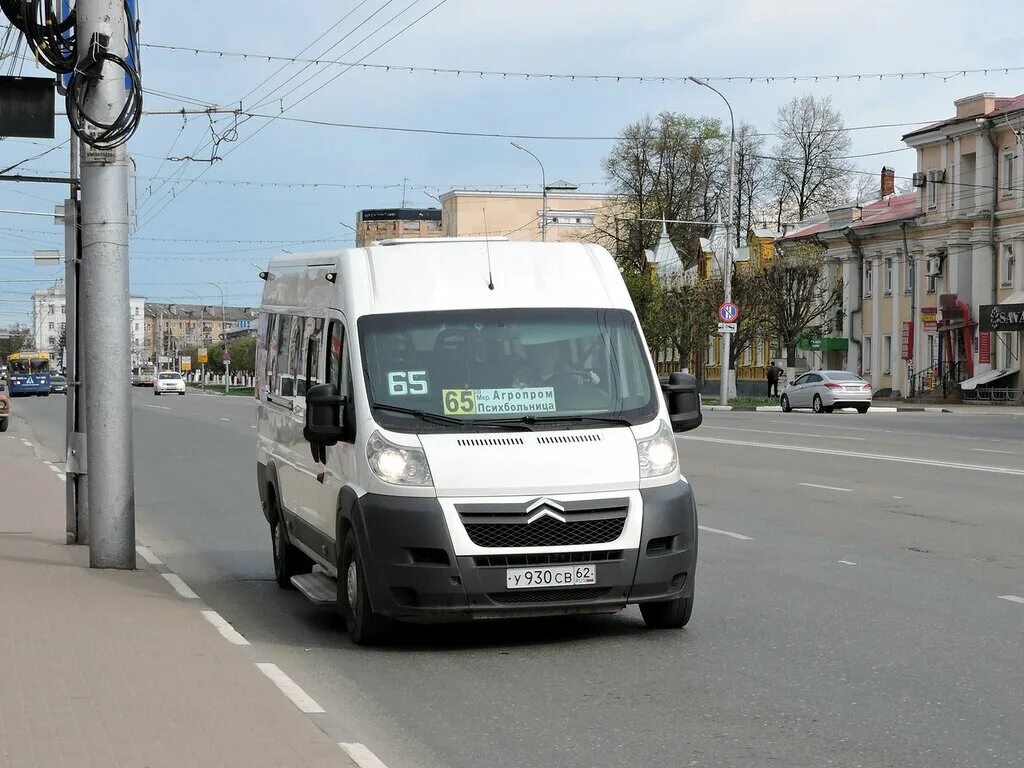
(728, 312)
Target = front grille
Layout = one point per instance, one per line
(546, 532)
(469, 442)
(588, 437)
(549, 595)
(547, 558)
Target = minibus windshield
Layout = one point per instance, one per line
(546, 368)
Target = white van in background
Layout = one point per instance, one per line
(469, 428)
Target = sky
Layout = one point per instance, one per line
(190, 234)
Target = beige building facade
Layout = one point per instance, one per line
(572, 216)
(373, 224)
(925, 273)
(172, 328)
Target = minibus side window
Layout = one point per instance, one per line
(310, 351)
(339, 371)
(271, 362)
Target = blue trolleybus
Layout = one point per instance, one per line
(28, 373)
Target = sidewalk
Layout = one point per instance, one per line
(114, 668)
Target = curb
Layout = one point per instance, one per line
(716, 408)
(769, 408)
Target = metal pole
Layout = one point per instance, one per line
(106, 306)
(543, 193)
(723, 391)
(223, 336)
(77, 486)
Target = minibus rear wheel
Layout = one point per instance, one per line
(288, 560)
(668, 614)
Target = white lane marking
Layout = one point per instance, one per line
(252, 426)
(791, 434)
(289, 688)
(846, 562)
(158, 407)
(869, 456)
(229, 633)
(901, 432)
(739, 536)
(222, 418)
(827, 487)
(990, 450)
(63, 477)
(898, 497)
(361, 755)
(26, 442)
(180, 586)
(148, 556)
(1012, 598)
(54, 468)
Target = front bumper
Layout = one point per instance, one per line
(413, 573)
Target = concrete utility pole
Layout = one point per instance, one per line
(543, 193)
(105, 292)
(723, 390)
(77, 486)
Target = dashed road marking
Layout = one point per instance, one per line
(869, 456)
(224, 418)
(290, 688)
(991, 450)
(158, 407)
(148, 556)
(827, 487)
(739, 536)
(898, 497)
(230, 634)
(361, 755)
(26, 442)
(1012, 598)
(180, 586)
(846, 562)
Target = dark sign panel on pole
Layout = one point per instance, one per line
(1002, 317)
(907, 341)
(26, 107)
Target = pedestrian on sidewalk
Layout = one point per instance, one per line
(773, 374)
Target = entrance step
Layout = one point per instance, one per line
(318, 587)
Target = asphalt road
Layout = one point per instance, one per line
(849, 605)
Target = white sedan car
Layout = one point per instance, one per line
(824, 391)
(169, 382)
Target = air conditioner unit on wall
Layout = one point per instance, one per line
(919, 179)
(933, 267)
(937, 177)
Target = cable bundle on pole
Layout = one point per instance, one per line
(51, 39)
(87, 75)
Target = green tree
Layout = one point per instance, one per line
(13, 340)
(800, 294)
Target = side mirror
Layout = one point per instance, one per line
(792, 382)
(683, 402)
(324, 415)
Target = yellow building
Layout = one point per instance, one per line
(390, 223)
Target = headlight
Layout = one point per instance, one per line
(397, 464)
(658, 453)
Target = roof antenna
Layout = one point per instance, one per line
(487, 245)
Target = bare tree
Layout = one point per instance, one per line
(752, 179)
(809, 157)
(798, 295)
(665, 167)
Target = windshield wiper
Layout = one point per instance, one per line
(571, 419)
(437, 418)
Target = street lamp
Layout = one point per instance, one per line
(223, 336)
(723, 390)
(543, 192)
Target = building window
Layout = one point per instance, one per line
(49, 341)
(433, 226)
(52, 309)
(867, 354)
(411, 226)
(136, 311)
(868, 274)
(933, 191)
(888, 275)
(52, 326)
(1008, 174)
(1009, 261)
(908, 274)
(887, 354)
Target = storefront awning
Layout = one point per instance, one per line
(969, 385)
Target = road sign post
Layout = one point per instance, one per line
(202, 357)
(727, 328)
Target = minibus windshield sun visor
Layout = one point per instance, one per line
(536, 368)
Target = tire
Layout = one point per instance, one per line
(863, 408)
(156, 393)
(784, 402)
(3, 424)
(182, 394)
(669, 614)
(288, 560)
(818, 405)
(365, 626)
